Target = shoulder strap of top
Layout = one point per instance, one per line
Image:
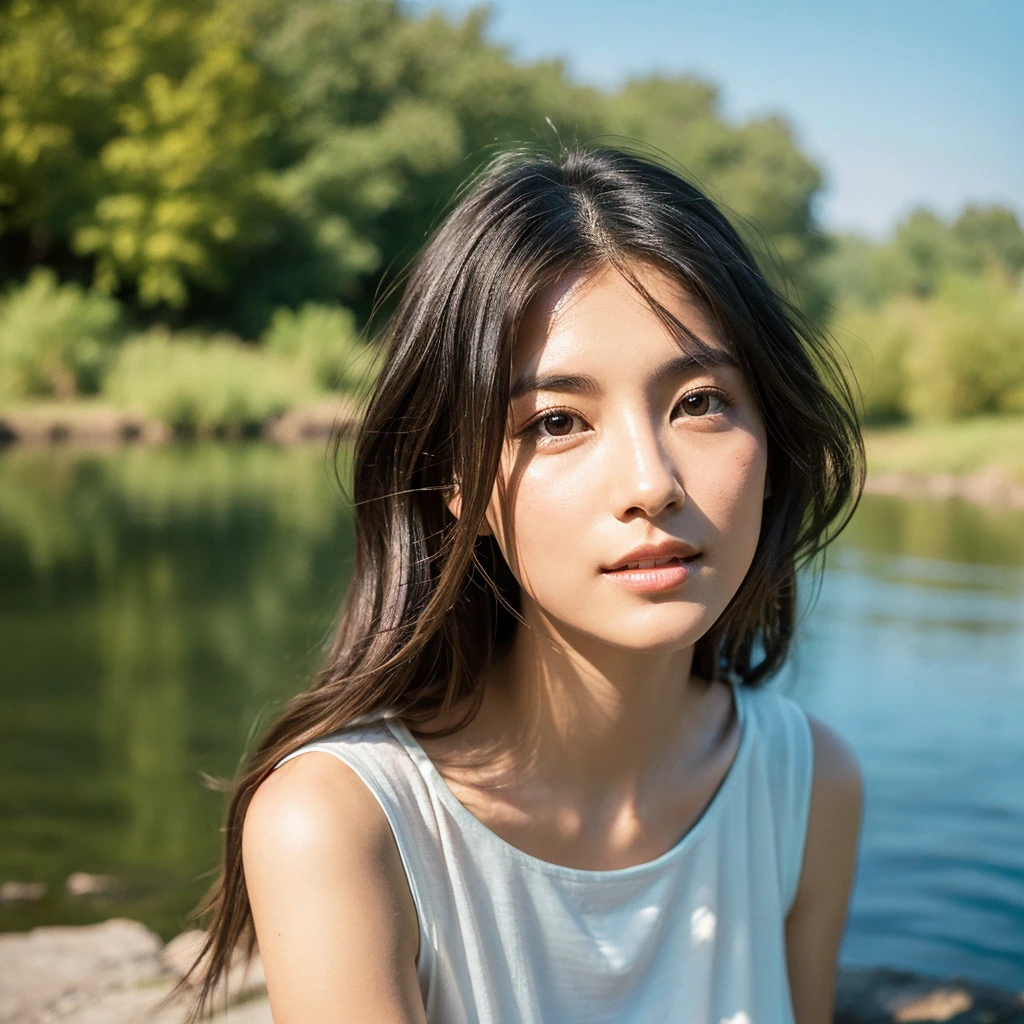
(789, 764)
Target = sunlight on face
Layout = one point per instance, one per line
(593, 468)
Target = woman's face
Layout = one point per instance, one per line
(632, 451)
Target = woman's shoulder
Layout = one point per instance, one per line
(781, 744)
(326, 795)
(317, 799)
(774, 708)
(837, 771)
(775, 712)
(325, 878)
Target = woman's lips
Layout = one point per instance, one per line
(661, 577)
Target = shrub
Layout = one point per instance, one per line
(203, 385)
(878, 357)
(55, 339)
(968, 358)
(956, 354)
(323, 339)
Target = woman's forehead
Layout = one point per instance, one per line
(602, 298)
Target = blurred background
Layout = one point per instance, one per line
(200, 201)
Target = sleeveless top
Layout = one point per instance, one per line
(694, 936)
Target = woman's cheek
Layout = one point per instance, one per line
(739, 501)
(551, 517)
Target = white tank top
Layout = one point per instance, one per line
(695, 936)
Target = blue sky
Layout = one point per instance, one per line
(900, 102)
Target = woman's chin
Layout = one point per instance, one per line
(646, 637)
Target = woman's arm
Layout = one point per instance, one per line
(334, 917)
(814, 927)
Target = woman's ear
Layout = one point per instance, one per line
(453, 499)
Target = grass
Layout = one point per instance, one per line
(961, 446)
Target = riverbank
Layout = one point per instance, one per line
(980, 460)
(118, 972)
(91, 422)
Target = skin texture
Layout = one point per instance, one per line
(593, 717)
(334, 916)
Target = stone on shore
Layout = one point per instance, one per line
(878, 995)
(52, 973)
(80, 883)
(119, 971)
(116, 972)
(13, 892)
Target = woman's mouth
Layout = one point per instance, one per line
(653, 574)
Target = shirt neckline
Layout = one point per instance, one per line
(476, 828)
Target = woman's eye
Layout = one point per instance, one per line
(700, 403)
(559, 422)
(556, 424)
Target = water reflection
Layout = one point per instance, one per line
(915, 651)
(153, 602)
(156, 605)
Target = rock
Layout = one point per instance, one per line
(81, 884)
(181, 951)
(991, 485)
(317, 421)
(119, 972)
(243, 981)
(50, 973)
(11, 892)
(320, 420)
(876, 995)
(42, 423)
(255, 1012)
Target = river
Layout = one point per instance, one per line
(157, 604)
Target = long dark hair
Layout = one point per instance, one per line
(430, 601)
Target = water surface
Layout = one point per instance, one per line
(158, 604)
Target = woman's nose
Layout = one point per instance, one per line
(643, 473)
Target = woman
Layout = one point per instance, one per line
(537, 777)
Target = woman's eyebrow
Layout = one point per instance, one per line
(581, 384)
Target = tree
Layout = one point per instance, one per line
(387, 115)
(755, 170)
(131, 134)
(987, 237)
(211, 160)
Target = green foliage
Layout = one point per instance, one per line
(387, 114)
(923, 251)
(755, 170)
(205, 385)
(926, 247)
(970, 357)
(179, 185)
(131, 133)
(877, 341)
(55, 339)
(228, 157)
(957, 354)
(989, 238)
(324, 340)
(221, 162)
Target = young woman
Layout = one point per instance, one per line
(538, 777)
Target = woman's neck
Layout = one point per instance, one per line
(590, 726)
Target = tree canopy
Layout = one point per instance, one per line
(207, 161)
